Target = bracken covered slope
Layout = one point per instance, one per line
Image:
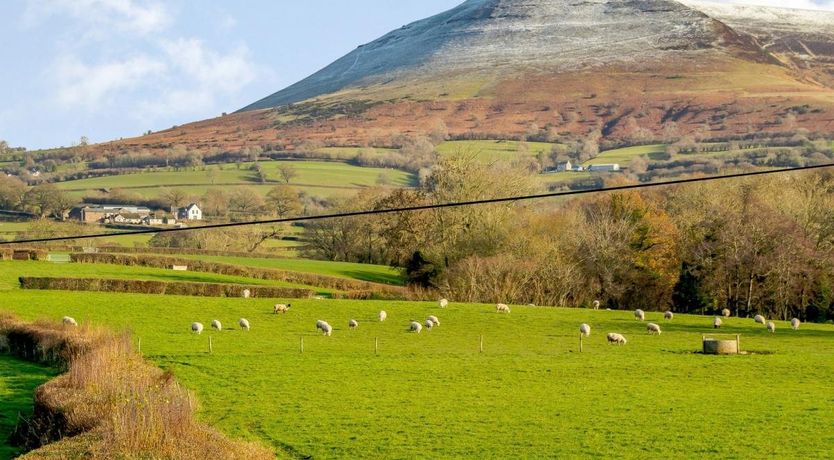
(509, 67)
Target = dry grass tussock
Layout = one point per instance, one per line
(110, 403)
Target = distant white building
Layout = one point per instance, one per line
(190, 212)
(568, 166)
(604, 167)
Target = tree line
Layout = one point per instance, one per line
(761, 245)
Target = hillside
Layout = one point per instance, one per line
(549, 68)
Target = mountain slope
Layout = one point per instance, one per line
(630, 69)
(511, 36)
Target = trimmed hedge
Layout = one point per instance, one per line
(8, 253)
(186, 251)
(372, 290)
(160, 287)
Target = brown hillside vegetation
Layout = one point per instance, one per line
(110, 403)
(711, 99)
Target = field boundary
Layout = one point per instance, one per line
(187, 251)
(321, 281)
(109, 403)
(160, 287)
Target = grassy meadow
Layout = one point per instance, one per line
(18, 380)
(492, 150)
(319, 178)
(624, 156)
(363, 272)
(434, 395)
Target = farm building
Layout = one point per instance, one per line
(568, 166)
(604, 167)
(158, 220)
(108, 213)
(190, 212)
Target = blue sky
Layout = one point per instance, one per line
(116, 68)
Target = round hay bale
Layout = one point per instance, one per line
(720, 347)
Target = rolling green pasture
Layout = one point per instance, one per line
(107, 271)
(624, 156)
(347, 153)
(363, 272)
(320, 178)
(491, 150)
(18, 380)
(529, 394)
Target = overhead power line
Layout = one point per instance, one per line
(457, 204)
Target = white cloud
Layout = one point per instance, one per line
(800, 4)
(91, 86)
(204, 76)
(227, 73)
(103, 15)
(183, 76)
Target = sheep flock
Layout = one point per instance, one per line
(432, 321)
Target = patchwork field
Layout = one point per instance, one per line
(18, 380)
(625, 155)
(320, 178)
(529, 391)
(491, 150)
(363, 272)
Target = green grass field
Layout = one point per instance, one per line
(492, 150)
(625, 155)
(363, 272)
(105, 271)
(351, 152)
(529, 394)
(18, 380)
(319, 178)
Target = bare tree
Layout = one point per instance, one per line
(287, 172)
(283, 200)
(245, 201)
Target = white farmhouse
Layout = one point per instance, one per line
(190, 212)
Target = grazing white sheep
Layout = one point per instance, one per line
(319, 324)
(281, 308)
(434, 320)
(69, 321)
(653, 328)
(429, 324)
(596, 304)
(639, 315)
(326, 328)
(585, 330)
(795, 323)
(668, 315)
(716, 322)
(246, 293)
(771, 327)
(244, 324)
(415, 327)
(726, 312)
(759, 319)
(216, 325)
(382, 315)
(443, 303)
(502, 308)
(353, 324)
(197, 327)
(613, 337)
